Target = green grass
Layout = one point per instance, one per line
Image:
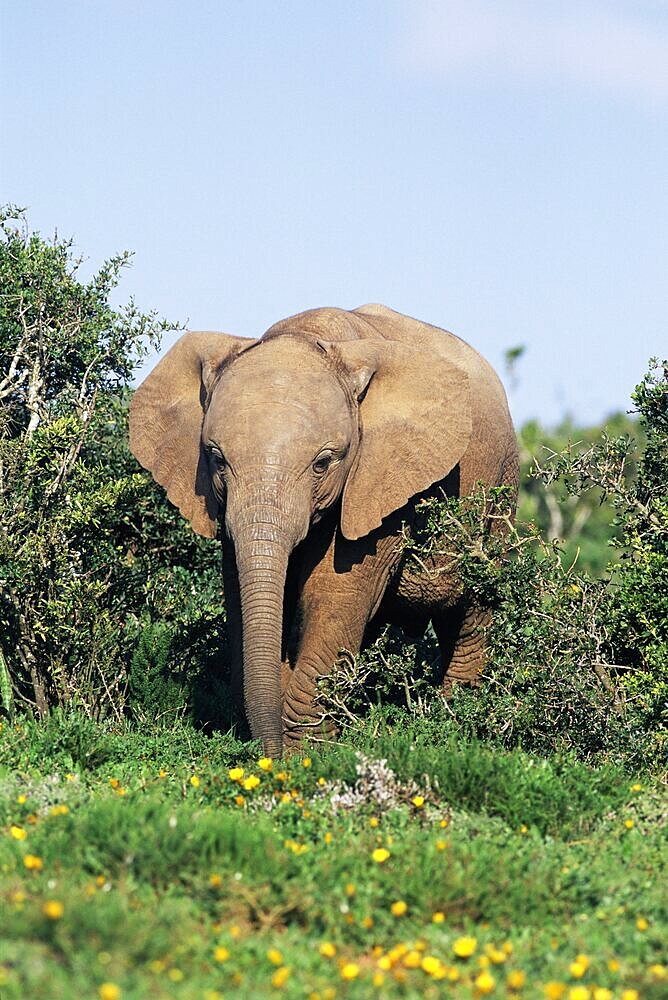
(158, 864)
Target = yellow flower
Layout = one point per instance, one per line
(443, 824)
(221, 954)
(418, 801)
(554, 990)
(602, 993)
(367, 923)
(385, 962)
(251, 782)
(380, 855)
(495, 955)
(658, 971)
(432, 965)
(438, 917)
(579, 993)
(235, 773)
(630, 995)
(275, 956)
(33, 862)
(485, 982)
(53, 909)
(114, 782)
(378, 979)
(306, 762)
(59, 810)
(374, 822)
(642, 924)
(297, 848)
(350, 971)
(21, 799)
(194, 781)
(628, 823)
(109, 991)
(265, 763)
(18, 833)
(280, 977)
(577, 969)
(464, 947)
(239, 799)
(328, 838)
(215, 880)
(350, 889)
(162, 773)
(327, 949)
(636, 787)
(398, 908)
(516, 979)
(441, 845)
(176, 975)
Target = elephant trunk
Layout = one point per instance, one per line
(262, 551)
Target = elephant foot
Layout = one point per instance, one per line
(298, 733)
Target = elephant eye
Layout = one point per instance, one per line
(215, 454)
(323, 462)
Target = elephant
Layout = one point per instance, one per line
(306, 452)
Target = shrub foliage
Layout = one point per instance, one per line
(90, 554)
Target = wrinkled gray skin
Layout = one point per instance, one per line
(312, 445)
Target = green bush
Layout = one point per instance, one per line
(92, 557)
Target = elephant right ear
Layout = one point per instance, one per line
(166, 415)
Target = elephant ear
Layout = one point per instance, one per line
(415, 424)
(166, 415)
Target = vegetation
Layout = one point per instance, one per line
(507, 842)
(92, 560)
(178, 865)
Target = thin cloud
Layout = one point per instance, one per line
(609, 48)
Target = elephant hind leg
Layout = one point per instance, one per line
(460, 633)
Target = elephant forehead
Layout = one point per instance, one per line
(285, 371)
(268, 403)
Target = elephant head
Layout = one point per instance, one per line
(269, 434)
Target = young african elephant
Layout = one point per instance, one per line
(312, 445)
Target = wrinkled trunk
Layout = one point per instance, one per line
(262, 552)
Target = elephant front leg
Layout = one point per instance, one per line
(461, 636)
(303, 716)
(338, 597)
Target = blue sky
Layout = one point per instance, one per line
(496, 168)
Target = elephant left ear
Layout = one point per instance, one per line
(415, 424)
